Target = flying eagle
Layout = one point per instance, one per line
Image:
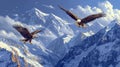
(26, 34)
(81, 22)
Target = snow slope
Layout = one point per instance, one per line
(56, 39)
(38, 54)
(99, 50)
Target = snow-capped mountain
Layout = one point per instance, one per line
(52, 25)
(99, 50)
(39, 54)
(56, 39)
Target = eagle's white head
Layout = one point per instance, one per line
(78, 21)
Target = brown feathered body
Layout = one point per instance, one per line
(82, 22)
(25, 33)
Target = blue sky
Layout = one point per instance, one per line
(9, 7)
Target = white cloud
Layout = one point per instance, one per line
(6, 28)
(105, 7)
(11, 21)
(49, 6)
(94, 26)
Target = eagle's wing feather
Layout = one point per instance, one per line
(35, 32)
(23, 31)
(69, 13)
(92, 17)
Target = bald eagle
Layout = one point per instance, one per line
(81, 22)
(26, 34)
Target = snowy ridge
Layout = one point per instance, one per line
(58, 26)
(95, 53)
(60, 43)
(28, 59)
(38, 14)
(36, 55)
(24, 51)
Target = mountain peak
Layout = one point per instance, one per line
(37, 11)
(35, 16)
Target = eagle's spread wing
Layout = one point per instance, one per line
(35, 32)
(23, 31)
(92, 17)
(69, 13)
